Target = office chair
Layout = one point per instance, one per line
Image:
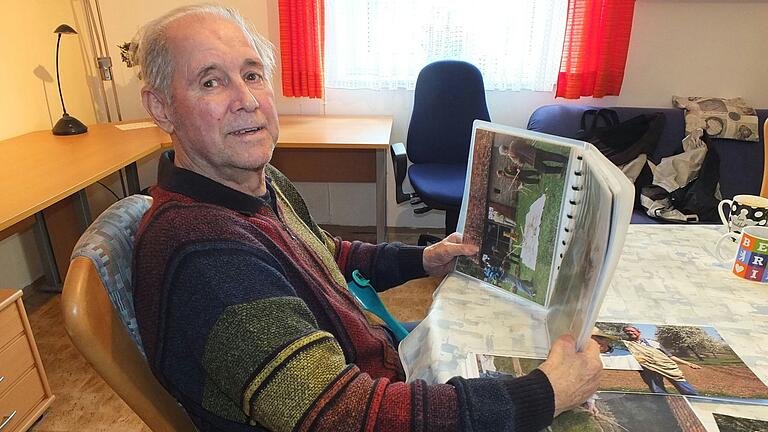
(97, 304)
(449, 96)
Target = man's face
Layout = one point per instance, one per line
(222, 112)
(632, 333)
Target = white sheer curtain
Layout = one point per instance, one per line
(383, 44)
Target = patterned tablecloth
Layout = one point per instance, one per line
(667, 274)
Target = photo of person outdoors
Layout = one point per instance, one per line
(514, 213)
(658, 363)
(687, 360)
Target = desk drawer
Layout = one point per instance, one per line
(10, 324)
(15, 358)
(25, 395)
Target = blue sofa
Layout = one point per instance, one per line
(741, 162)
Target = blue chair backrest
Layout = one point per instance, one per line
(449, 96)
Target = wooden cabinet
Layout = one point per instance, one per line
(24, 390)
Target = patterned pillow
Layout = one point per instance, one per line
(720, 118)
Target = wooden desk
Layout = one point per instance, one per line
(39, 169)
(337, 149)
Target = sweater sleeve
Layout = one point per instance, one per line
(250, 352)
(387, 265)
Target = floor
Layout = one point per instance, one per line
(85, 403)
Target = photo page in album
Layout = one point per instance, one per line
(547, 214)
(572, 306)
(516, 194)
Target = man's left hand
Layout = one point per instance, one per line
(439, 257)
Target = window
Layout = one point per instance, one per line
(383, 44)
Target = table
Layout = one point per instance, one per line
(667, 274)
(337, 149)
(39, 169)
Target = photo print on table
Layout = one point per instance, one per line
(728, 423)
(688, 360)
(605, 411)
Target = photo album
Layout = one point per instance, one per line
(550, 216)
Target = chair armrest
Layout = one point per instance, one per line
(400, 166)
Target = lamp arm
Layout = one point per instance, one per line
(58, 80)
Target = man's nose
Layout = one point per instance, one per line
(243, 98)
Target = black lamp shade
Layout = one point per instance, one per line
(64, 29)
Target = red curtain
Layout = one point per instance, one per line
(302, 43)
(595, 48)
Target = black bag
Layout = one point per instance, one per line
(697, 197)
(621, 142)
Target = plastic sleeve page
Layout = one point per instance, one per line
(517, 183)
(623, 193)
(583, 259)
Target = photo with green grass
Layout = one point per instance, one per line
(520, 210)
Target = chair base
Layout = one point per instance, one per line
(451, 221)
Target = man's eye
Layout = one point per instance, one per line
(211, 83)
(252, 76)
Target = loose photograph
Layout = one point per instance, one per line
(686, 360)
(626, 412)
(603, 412)
(728, 423)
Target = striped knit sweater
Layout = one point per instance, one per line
(246, 320)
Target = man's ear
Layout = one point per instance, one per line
(158, 108)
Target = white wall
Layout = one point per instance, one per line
(30, 101)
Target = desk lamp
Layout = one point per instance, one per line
(67, 125)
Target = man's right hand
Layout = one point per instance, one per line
(574, 376)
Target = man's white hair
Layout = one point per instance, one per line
(149, 48)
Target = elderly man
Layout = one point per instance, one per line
(658, 363)
(241, 298)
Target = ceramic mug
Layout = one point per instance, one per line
(744, 210)
(751, 262)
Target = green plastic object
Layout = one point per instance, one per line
(361, 288)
